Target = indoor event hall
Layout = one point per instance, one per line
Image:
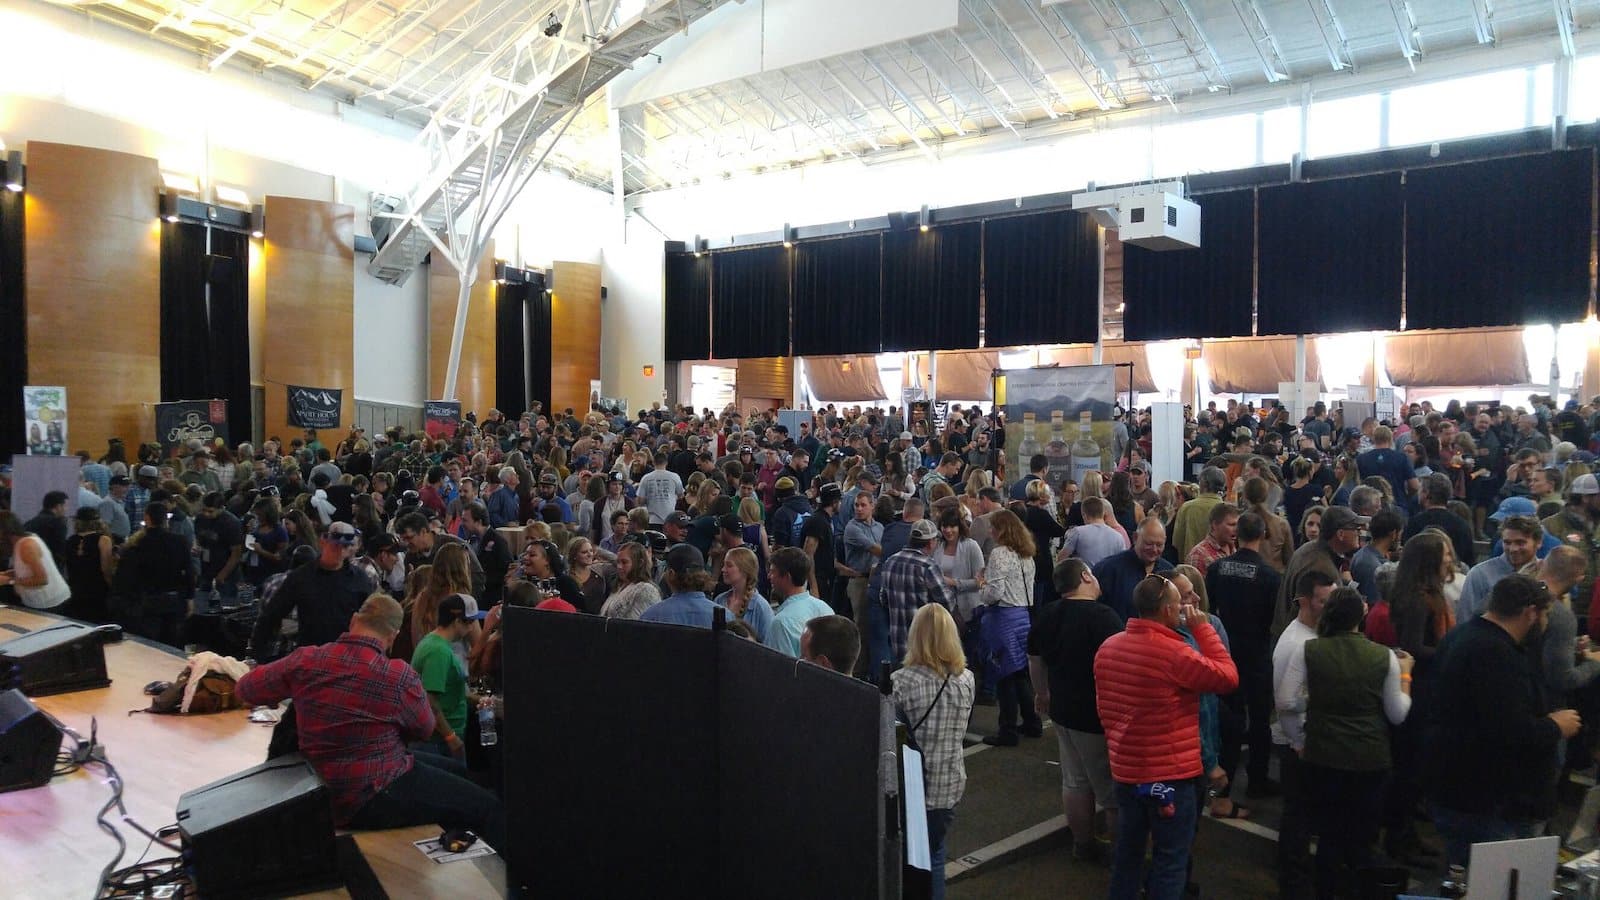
(1128, 449)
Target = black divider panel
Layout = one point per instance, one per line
(1203, 293)
(610, 746)
(798, 774)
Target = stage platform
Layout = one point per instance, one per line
(50, 846)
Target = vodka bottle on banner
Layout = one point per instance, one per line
(1085, 451)
(1029, 445)
(1057, 453)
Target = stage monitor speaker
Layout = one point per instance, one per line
(263, 832)
(58, 659)
(29, 742)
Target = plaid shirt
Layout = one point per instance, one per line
(941, 733)
(138, 498)
(356, 709)
(909, 581)
(1207, 552)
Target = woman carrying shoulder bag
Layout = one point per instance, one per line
(1008, 592)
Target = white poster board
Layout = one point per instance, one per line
(44, 413)
(1298, 398)
(34, 476)
(1166, 443)
(1492, 862)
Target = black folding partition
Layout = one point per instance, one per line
(1203, 293)
(750, 303)
(932, 287)
(724, 768)
(688, 306)
(837, 295)
(1041, 279)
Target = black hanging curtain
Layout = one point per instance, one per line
(1331, 255)
(185, 322)
(205, 340)
(13, 326)
(750, 303)
(229, 274)
(1203, 293)
(931, 285)
(537, 310)
(510, 346)
(1041, 279)
(688, 306)
(1500, 242)
(837, 289)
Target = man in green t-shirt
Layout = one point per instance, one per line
(442, 675)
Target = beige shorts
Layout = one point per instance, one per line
(1086, 766)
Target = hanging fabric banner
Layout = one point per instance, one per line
(44, 412)
(314, 407)
(181, 421)
(1063, 413)
(441, 418)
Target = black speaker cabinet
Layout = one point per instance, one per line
(58, 659)
(263, 832)
(29, 743)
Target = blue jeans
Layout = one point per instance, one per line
(1139, 818)
(877, 640)
(1461, 830)
(429, 794)
(938, 829)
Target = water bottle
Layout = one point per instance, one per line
(486, 733)
(1454, 885)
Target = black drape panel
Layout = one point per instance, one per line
(229, 273)
(750, 303)
(931, 285)
(1200, 293)
(688, 306)
(510, 345)
(1501, 242)
(837, 289)
(537, 309)
(13, 326)
(1041, 279)
(186, 354)
(1331, 255)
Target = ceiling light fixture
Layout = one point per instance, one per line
(923, 219)
(14, 171)
(788, 235)
(552, 26)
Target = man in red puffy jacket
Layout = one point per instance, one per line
(1148, 685)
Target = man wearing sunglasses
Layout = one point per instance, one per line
(324, 594)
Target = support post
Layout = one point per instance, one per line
(468, 276)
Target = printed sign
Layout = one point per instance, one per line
(314, 407)
(44, 411)
(1063, 413)
(179, 422)
(441, 418)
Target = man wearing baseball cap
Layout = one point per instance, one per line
(1330, 554)
(547, 496)
(908, 581)
(139, 492)
(442, 676)
(1578, 525)
(324, 594)
(687, 583)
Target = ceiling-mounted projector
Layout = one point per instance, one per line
(1152, 216)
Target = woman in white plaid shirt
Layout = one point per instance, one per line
(935, 691)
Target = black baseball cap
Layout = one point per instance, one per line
(685, 558)
(381, 542)
(730, 523)
(677, 517)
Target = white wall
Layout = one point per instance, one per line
(632, 323)
(556, 219)
(391, 324)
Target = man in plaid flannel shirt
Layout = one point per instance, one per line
(909, 580)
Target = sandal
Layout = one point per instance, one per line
(1235, 811)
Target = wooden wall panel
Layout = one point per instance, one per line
(308, 261)
(475, 378)
(93, 286)
(574, 334)
(762, 382)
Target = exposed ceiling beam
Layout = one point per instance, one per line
(1044, 104)
(962, 109)
(1038, 64)
(909, 127)
(977, 91)
(1337, 44)
(1253, 21)
(1078, 66)
(894, 88)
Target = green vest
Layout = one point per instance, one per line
(1345, 725)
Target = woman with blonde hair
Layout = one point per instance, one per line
(934, 692)
(751, 517)
(741, 573)
(634, 591)
(1008, 593)
(707, 494)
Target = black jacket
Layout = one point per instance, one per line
(1489, 745)
(323, 602)
(158, 562)
(1244, 593)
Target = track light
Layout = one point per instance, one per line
(14, 173)
(552, 26)
(699, 245)
(923, 219)
(169, 206)
(258, 221)
(788, 235)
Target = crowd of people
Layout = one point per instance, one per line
(1304, 610)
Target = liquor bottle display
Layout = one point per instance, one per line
(1028, 446)
(1057, 453)
(1085, 451)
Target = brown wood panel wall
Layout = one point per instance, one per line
(308, 261)
(475, 378)
(762, 381)
(574, 334)
(93, 287)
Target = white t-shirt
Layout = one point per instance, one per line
(660, 490)
(54, 591)
(1291, 703)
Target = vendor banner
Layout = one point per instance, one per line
(441, 418)
(314, 407)
(181, 421)
(44, 412)
(1062, 412)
